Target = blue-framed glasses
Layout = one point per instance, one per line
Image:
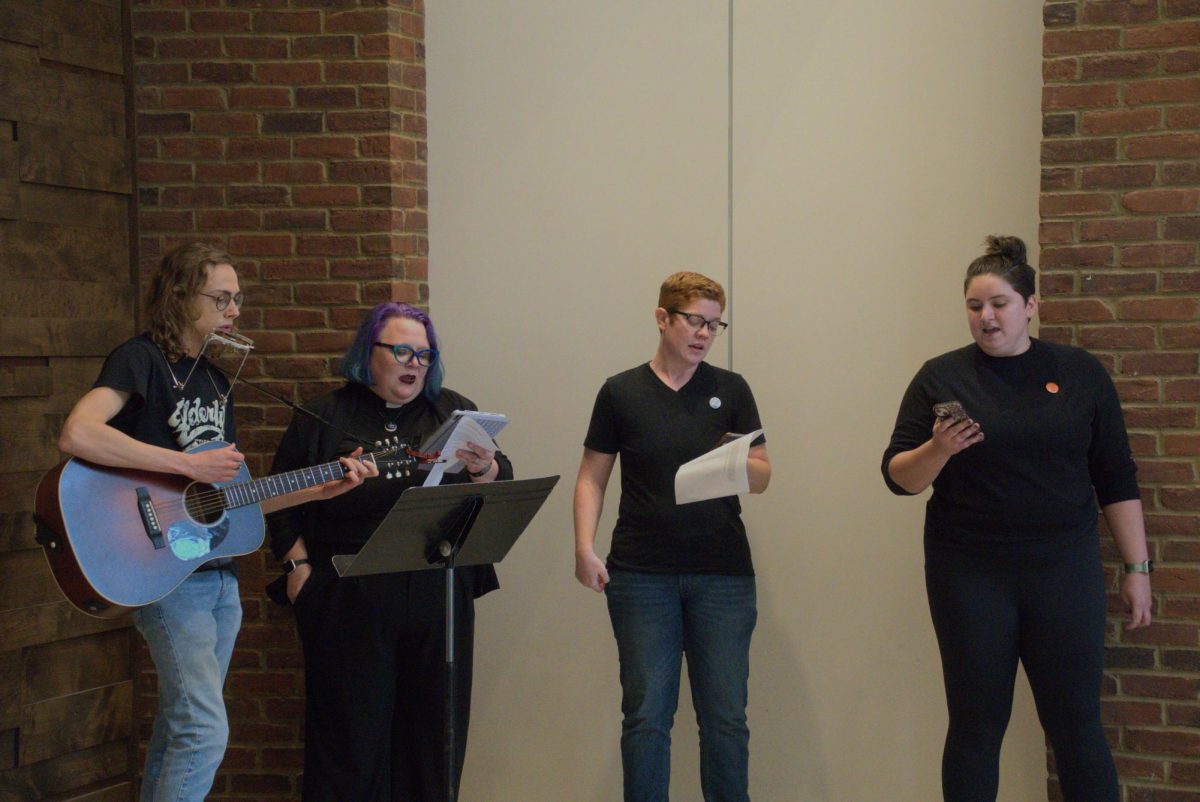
(405, 354)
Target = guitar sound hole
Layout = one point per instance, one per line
(204, 503)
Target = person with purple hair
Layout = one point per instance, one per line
(374, 646)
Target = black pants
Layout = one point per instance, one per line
(1049, 614)
(374, 663)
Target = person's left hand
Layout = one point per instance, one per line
(1135, 591)
(478, 460)
(356, 471)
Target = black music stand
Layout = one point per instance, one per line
(444, 527)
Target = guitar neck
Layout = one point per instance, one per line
(257, 490)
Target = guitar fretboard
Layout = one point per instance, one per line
(256, 490)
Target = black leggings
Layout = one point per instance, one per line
(1049, 613)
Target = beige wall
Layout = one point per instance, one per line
(579, 152)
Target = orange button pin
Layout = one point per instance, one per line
(1051, 387)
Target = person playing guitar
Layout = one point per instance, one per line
(156, 398)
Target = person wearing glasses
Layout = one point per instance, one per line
(156, 396)
(679, 578)
(374, 646)
(1024, 443)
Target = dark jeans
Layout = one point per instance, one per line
(656, 618)
(1049, 614)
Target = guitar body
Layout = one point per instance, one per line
(98, 525)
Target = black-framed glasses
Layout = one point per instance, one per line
(222, 298)
(405, 354)
(715, 326)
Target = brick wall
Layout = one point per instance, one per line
(1120, 209)
(292, 132)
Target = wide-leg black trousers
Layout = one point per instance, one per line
(374, 662)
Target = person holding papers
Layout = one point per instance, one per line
(679, 578)
(374, 646)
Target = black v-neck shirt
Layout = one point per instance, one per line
(654, 430)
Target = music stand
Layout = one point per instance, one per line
(444, 527)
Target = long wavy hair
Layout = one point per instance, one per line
(356, 364)
(181, 275)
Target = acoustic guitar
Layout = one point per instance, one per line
(118, 539)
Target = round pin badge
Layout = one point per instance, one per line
(1051, 387)
(714, 402)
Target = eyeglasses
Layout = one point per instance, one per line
(715, 327)
(222, 299)
(405, 354)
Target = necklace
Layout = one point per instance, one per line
(179, 385)
(390, 425)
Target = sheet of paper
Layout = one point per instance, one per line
(467, 431)
(717, 473)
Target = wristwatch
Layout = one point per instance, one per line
(292, 565)
(1145, 567)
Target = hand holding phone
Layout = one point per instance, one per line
(950, 409)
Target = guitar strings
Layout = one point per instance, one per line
(208, 502)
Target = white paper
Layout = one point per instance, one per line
(717, 473)
(467, 430)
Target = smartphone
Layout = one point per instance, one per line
(949, 409)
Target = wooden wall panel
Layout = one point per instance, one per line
(27, 580)
(10, 174)
(41, 95)
(16, 517)
(20, 21)
(51, 622)
(58, 776)
(10, 689)
(69, 723)
(70, 158)
(67, 277)
(86, 34)
(49, 251)
(18, 380)
(71, 666)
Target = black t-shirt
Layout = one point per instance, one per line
(156, 412)
(161, 415)
(1054, 441)
(655, 429)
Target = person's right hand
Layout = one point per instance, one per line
(590, 571)
(951, 437)
(296, 580)
(214, 464)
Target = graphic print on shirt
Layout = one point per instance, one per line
(193, 421)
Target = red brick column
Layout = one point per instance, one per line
(1120, 210)
(294, 134)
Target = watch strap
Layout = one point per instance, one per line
(1144, 567)
(292, 565)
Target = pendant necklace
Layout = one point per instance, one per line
(390, 426)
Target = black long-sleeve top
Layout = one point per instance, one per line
(1054, 443)
(343, 524)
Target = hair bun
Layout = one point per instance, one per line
(1011, 248)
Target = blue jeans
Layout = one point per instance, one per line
(190, 633)
(657, 618)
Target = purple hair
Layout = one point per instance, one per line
(356, 364)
